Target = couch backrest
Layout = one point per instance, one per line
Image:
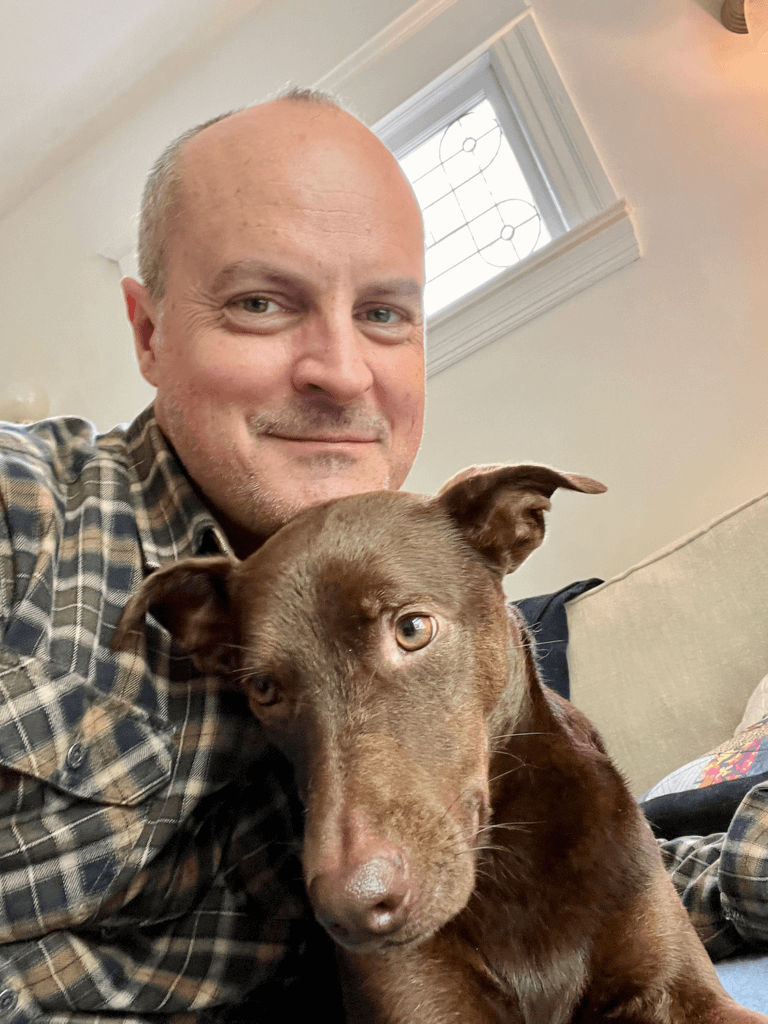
(663, 658)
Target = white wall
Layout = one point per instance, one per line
(653, 381)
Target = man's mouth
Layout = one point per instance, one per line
(308, 428)
(325, 438)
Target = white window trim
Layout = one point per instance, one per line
(598, 236)
(573, 262)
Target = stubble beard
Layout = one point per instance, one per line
(248, 505)
(324, 475)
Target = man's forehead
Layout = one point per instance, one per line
(288, 174)
(275, 143)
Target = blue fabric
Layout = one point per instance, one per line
(746, 979)
(546, 618)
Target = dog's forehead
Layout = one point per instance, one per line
(372, 550)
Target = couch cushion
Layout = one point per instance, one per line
(744, 978)
(663, 657)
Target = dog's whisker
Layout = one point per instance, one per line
(512, 826)
(520, 735)
(503, 752)
(503, 775)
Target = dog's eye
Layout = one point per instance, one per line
(413, 632)
(265, 689)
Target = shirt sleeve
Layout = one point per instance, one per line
(6, 554)
(28, 515)
(722, 879)
(148, 862)
(217, 917)
(744, 867)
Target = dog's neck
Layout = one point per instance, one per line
(522, 707)
(527, 740)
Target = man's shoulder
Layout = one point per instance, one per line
(55, 453)
(50, 469)
(65, 502)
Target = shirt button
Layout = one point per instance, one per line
(75, 756)
(8, 1000)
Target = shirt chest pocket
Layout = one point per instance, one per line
(69, 734)
(77, 771)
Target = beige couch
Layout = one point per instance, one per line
(664, 657)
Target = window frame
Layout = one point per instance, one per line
(592, 230)
(434, 109)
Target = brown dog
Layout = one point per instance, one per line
(468, 841)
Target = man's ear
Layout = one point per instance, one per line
(191, 599)
(143, 314)
(500, 509)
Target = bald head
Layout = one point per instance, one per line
(290, 154)
(265, 128)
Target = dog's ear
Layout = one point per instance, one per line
(191, 599)
(500, 509)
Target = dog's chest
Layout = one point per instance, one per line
(541, 971)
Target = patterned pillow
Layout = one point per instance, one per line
(701, 797)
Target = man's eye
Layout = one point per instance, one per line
(256, 304)
(382, 316)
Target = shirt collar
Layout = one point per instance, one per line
(172, 520)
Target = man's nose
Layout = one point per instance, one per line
(330, 358)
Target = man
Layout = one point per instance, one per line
(147, 860)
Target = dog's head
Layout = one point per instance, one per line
(372, 640)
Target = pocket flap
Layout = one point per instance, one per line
(68, 733)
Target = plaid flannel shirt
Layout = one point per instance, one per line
(722, 879)
(147, 842)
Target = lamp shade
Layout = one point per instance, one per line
(732, 16)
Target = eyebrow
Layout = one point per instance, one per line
(401, 287)
(232, 272)
(407, 287)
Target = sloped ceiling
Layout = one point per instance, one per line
(68, 70)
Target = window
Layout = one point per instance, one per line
(519, 214)
(480, 214)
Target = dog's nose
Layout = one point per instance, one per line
(364, 903)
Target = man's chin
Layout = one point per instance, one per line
(342, 486)
(266, 508)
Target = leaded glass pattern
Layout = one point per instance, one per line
(479, 214)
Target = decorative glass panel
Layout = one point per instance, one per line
(479, 214)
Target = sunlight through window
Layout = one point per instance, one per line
(479, 214)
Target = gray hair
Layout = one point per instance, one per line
(161, 192)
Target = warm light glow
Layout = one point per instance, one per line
(23, 403)
(756, 17)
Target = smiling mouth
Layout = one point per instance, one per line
(311, 426)
(323, 439)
